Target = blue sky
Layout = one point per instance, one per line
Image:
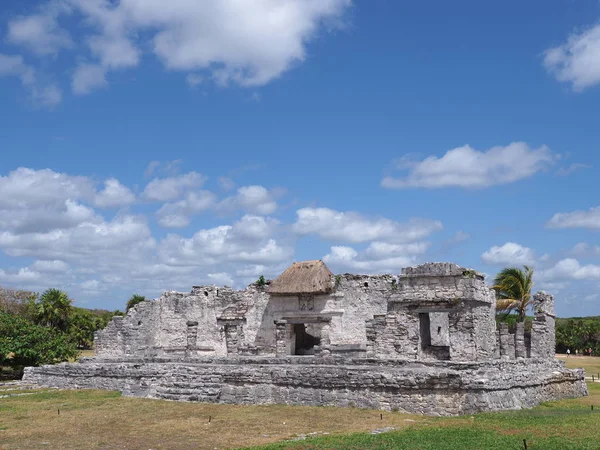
(150, 146)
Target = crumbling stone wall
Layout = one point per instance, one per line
(437, 311)
(432, 388)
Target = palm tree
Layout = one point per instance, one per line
(54, 309)
(513, 290)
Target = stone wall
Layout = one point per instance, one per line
(435, 388)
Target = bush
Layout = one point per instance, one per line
(23, 343)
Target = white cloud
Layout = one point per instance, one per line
(509, 254)
(47, 266)
(228, 41)
(47, 95)
(342, 258)
(172, 188)
(565, 171)
(88, 78)
(570, 269)
(583, 249)
(577, 219)
(250, 241)
(577, 61)
(23, 276)
(252, 199)
(91, 286)
(339, 226)
(43, 200)
(122, 237)
(179, 214)
(40, 33)
(221, 279)
(114, 194)
(466, 167)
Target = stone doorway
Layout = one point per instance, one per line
(305, 341)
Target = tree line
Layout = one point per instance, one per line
(44, 329)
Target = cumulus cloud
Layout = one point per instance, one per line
(339, 226)
(509, 254)
(377, 258)
(228, 41)
(22, 276)
(584, 249)
(570, 269)
(43, 200)
(40, 33)
(248, 240)
(172, 188)
(114, 194)
(589, 219)
(252, 199)
(179, 214)
(577, 61)
(88, 78)
(46, 266)
(465, 167)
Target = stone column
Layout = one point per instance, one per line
(543, 339)
(497, 347)
(192, 336)
(507, 343)
(520, 341)
(281, 338)
(232, 339)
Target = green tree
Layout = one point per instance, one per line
(53, 309)
(134, 300)
(18, 302)
(82, 325)
(513, 290)
(23, 343)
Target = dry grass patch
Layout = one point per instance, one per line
(99, 419)
(591, 364)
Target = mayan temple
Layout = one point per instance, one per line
(425, 341)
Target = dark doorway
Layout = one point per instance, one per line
(305, 343)
(430, 342)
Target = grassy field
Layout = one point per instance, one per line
(99, 419)
(590, 364)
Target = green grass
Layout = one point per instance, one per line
(101, 419)
(565, 424)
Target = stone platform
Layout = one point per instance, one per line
(438, 388)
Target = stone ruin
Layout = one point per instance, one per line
(423, 342)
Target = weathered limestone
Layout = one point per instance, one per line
(433, 388)
(423, 342)
(543, 326)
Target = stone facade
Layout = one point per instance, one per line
(425, 341)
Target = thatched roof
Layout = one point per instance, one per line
(306, 277)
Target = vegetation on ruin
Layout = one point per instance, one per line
(513, 290)
(100, 419)
(261, 282)
(134, 300)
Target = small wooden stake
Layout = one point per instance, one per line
(209, 419)
(525, 444)
(381, 416)
(592, 407)
(59, 411)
